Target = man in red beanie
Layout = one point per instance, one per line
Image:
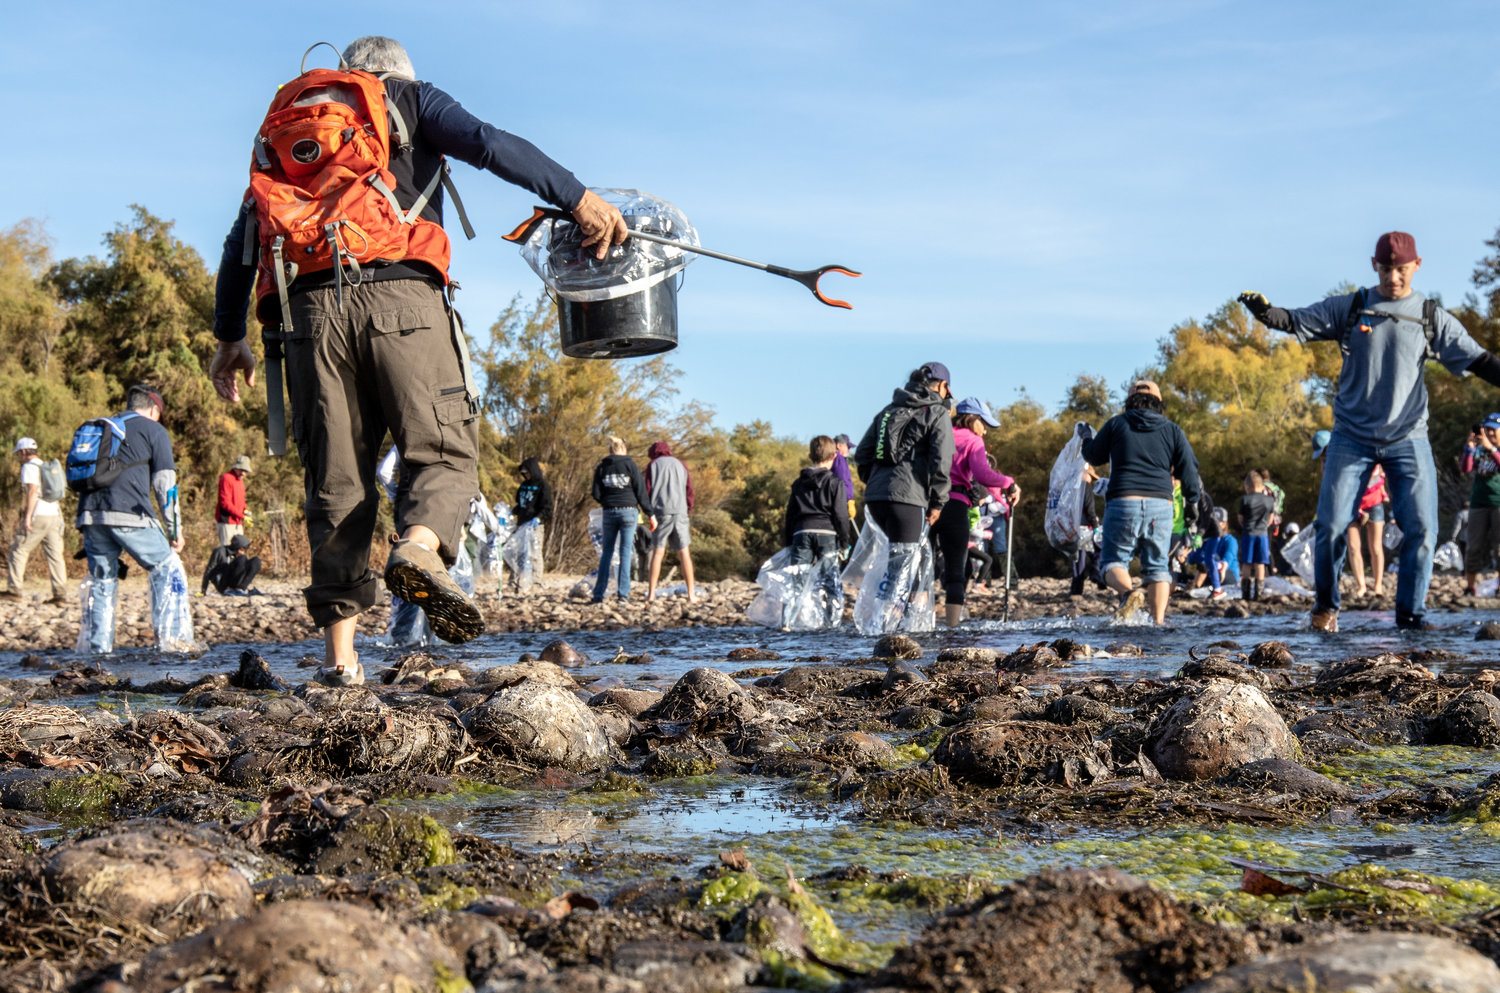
(1387, 333)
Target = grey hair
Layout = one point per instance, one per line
(379, 54)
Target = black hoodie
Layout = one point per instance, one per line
(817, 504)
(1144, 451)
(534, 495)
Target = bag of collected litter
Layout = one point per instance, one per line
(555, 251)
(1065, 492)
(805, 597)
(1448, 557)
(522, 553)
(895, 593)
(866, 547)
(171, 615)
(1279, 586)
(1299, 554)
(97, 601)
(407, 627)
(1392, 536)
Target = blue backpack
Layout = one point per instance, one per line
(94, 461)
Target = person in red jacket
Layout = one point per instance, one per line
(230, 515)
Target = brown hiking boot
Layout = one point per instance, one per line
(1325, 620)
(1132, 602)
(416, 574)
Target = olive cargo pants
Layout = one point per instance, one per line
(385, 361)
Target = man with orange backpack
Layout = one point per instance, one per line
(341, 236)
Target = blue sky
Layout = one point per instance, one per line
(1032, 190)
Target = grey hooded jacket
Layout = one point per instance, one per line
(922, 478)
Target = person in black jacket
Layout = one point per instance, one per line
(620, 490)
(1144, 451)
(817, 524)
(230, 569)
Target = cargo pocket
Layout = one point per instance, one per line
(403, 321)
(451, 411)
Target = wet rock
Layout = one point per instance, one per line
(58, 792)
(482, 945)
(821, 680)
(899, 674)
(255, 674)
(686, 966)
(699, 691)
(281, 709)
(860, 750)
(680, 759)
(1008, 753)
(631, 703)
(1073, 709)
(31, 660)
(1000, 708)
(305, 945)
(340, 698)
(1471, 719)
(1237, 611)
(917, 718)
(751, 654)
(561, 653)
(1488, 631)
(970, 655)
(896, 646)
(501, 676)
(1218, 667)
(1385, 675)
(1380, 727)
(1123, 650)
(1281, 776)
(1376, 962)
(383, 839)
(392, 738)
(1222, 727)
(158, 876)
(1102, 930)
(540, 724)
(1030, 658)
(1272, 655)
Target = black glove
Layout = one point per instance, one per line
(1256, 303)
(1190, 515)
(1084, 430)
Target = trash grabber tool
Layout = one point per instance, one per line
(807, 277)
(1010, 531)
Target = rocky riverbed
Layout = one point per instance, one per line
(560, 603)
(1009, 813)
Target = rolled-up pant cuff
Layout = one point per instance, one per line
(331, 602)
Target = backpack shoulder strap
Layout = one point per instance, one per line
(1429, 328)
(1351, 320)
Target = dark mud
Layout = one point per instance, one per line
(804, 813)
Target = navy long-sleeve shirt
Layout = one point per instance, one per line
(1144, 451)
(439, 126)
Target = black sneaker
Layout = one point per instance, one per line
(416, 574)
(1414, 624)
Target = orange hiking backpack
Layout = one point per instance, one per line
(323, 190)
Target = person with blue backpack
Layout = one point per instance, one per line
(116, 465)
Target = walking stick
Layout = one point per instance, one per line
(1009, 533)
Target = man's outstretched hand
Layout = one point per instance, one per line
(601, 221)
(1256, 303)
(232, 357)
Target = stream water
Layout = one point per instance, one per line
(675, 827)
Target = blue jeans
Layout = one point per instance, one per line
(102, 544)
(619, 527)
(1412, 480)
(1138, 527)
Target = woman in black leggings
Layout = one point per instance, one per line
(971, 468)
(904, 459)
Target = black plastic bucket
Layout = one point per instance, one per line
(643, 323)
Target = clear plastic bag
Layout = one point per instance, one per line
(895, 592)
(462, 570)
(1392, 536)
(522, 554)
(1299, 554)
(799, 597)
(407, 627)
(171, 610)
(1448, 556)
(555, 251)
(1065, 494)
(96, 598)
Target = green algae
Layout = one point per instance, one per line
(412, 832)
(448, 895)
(81, 796)
(910, 754)
(445, 980)
(1453, 766)
(1403, 892)
(732, 888)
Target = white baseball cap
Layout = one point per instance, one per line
(24, 445)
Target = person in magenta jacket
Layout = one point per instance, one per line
(971, 473)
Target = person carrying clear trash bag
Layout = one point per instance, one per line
(815, 530)
(116, 465)
(905, 460)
